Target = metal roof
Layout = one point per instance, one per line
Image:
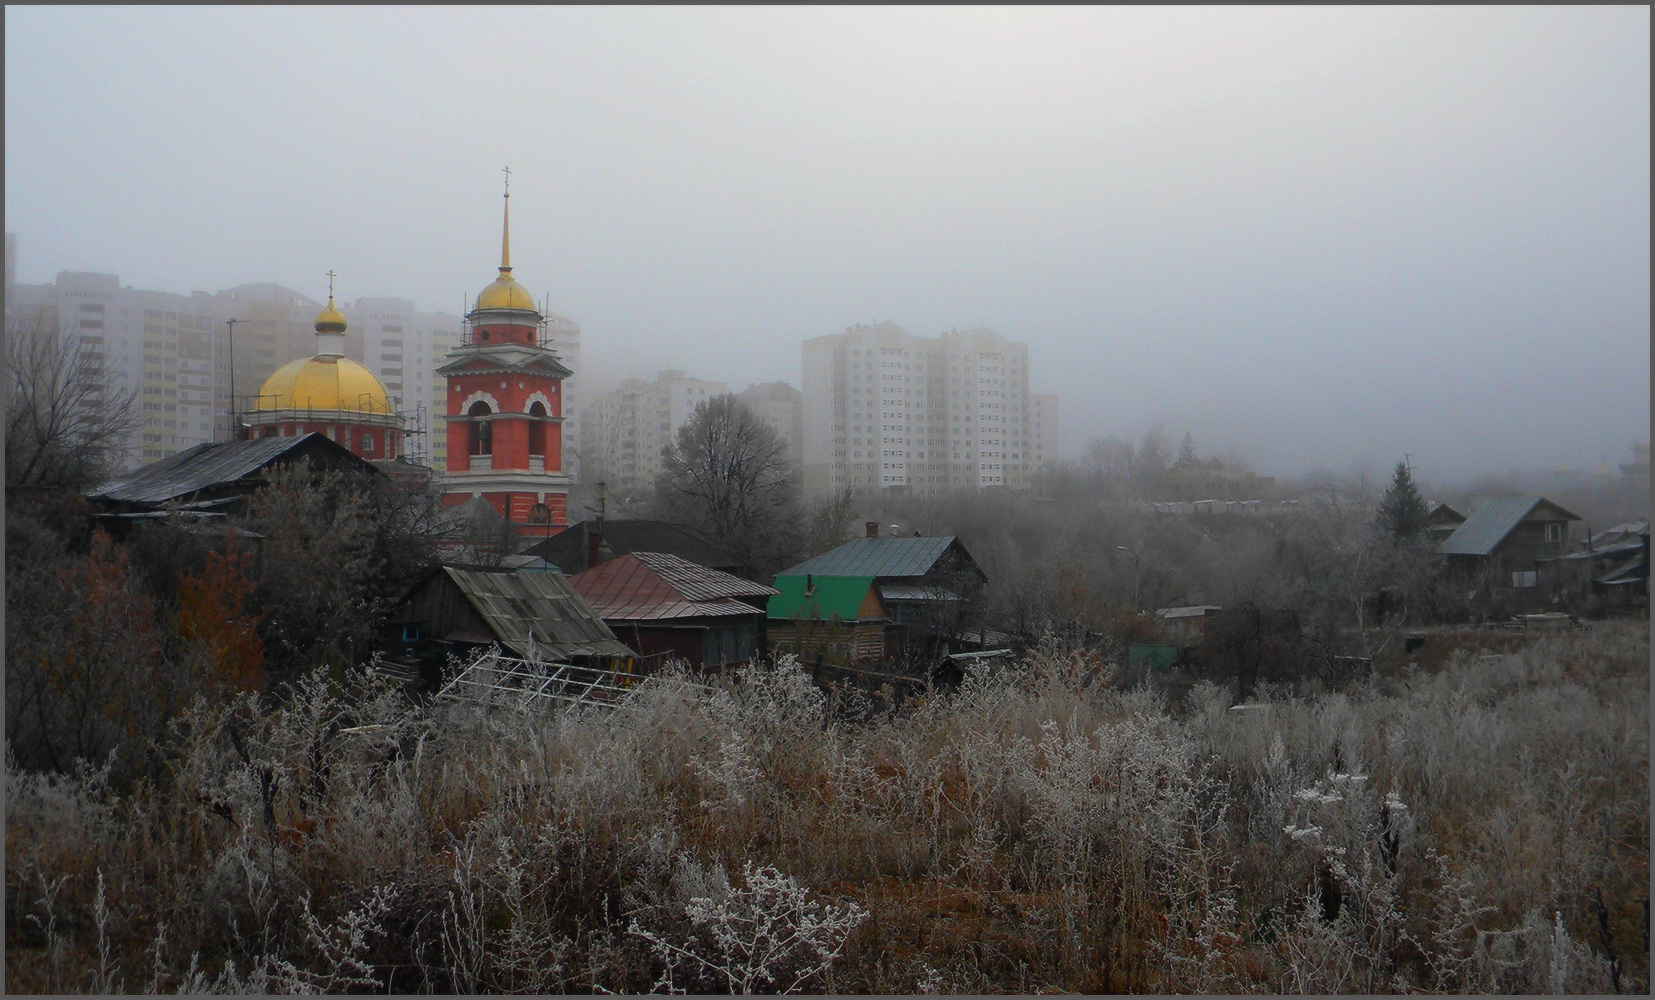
(1490, 523)
(1192, 611)
(826, 597)
(226, 463)
(537, 614)
(881, 557)
(1627, 572)
(649, 586)
(528, 564)
(567, 548)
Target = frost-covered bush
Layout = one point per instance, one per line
(768, 933)
(1480, 829)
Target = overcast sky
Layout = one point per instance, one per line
(1312, 236)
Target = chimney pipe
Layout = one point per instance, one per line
(873, 528)
(594, 539)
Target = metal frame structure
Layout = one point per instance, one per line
(495, 680)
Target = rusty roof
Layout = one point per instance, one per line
(650, 586)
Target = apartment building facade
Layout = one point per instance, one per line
(887, 410)
(781, 407)
(164, 349)
(185, 364)
(622, 432)
(1042, 430)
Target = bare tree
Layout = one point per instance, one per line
(65, 426)
(830, 522)
(727, 477)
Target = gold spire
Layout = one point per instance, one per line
(504, 292)
(505, 228)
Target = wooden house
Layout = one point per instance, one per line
(667, 607)
(210, 480)
(833, 619)
(536, 616)
(1443, 521)
(1502, 545)
(926, 585)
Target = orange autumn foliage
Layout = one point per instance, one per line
(212, 611)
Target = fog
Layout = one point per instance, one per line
(1312, 237)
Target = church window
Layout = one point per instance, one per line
(482, 430)
(537, 429)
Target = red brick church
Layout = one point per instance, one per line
(505, 408)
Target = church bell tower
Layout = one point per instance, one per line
(505, 407)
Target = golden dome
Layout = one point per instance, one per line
(330, 320)
(505, 293)
(324, 382)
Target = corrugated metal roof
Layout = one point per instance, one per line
(1192, 611)
(537, 614)
(1627, 572)
(567, 548)
(1489, 525)
(881, 557)
(701, 583)
(209, 465)
(830, 597)
(649, 586)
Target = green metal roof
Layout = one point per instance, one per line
(831, 597)
(883, 557)
(1489, 525)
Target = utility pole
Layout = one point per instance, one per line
(1136, 573)
(231, 325)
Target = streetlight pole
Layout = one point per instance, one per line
(230, 324)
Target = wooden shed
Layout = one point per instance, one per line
(668, 607)
(537, 616)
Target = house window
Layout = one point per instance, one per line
(1554, 532)
(1525, 578)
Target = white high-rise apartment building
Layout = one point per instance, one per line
(1042, 430)
(403, 346)
(782, 407)
(884, 409)
(162, 348)
(623, 432)
(174, 352)
(563, 335)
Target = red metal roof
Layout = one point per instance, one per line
(649, 586)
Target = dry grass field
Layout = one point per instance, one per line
(1482, 827)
